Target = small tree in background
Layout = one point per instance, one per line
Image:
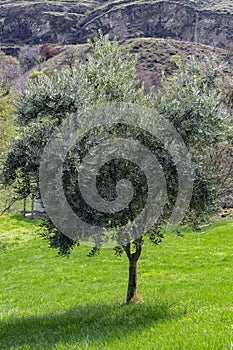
(9, 70)
(7, 135)
(28, 56)
(192, 100)
(7, 127)
(189, 100)
(47, 51)
(221, 162)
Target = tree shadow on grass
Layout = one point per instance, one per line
(81, 325)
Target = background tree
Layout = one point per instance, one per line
(221, 162)
(192, 100)
(7, 127)
(9, 70)
(221, 158)
(28, 56)
(189, 100)
(7, 134)
(47, 51)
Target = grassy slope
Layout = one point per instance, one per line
(154, 57)
(54, 303)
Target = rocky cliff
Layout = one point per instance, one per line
(70, 22)
(162, 20)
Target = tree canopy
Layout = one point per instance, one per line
(190, 100)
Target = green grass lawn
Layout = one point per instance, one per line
(47, 302)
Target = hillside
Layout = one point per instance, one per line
(155, 30)
(69, 22)
(154, 57)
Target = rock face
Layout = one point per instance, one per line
(163, 20)
(37, 23)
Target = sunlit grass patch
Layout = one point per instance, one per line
(185, 284)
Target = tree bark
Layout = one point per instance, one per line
(132, 282)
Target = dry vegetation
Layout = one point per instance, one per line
(155, 56)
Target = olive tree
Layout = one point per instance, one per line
(192, 100)
(189, 100)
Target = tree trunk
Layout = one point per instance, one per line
(132, 282)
